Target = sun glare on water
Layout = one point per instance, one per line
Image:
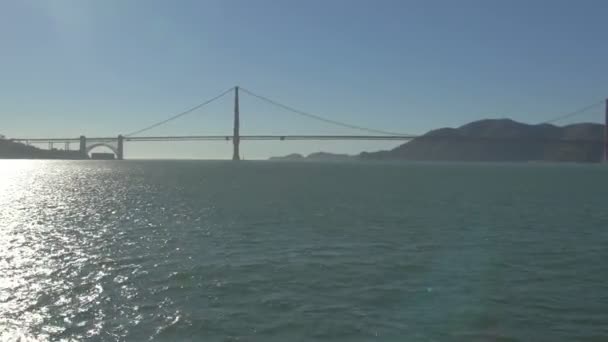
(23, 266)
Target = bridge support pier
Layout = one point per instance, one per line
(83, 147)
(120, 147)
(236, 137)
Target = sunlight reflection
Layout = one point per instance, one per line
(30, 193)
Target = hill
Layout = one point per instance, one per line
(503, 140)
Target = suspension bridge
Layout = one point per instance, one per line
(116, 143)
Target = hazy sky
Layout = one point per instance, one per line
(72, 67)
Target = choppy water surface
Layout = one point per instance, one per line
(260, 251)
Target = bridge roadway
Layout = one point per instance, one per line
(220, 137)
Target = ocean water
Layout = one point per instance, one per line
(263, 251)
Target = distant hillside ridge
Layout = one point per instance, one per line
(503, 140)
(317, 156)
(14, 150)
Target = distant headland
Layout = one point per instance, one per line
(492, 140)
(14, 150)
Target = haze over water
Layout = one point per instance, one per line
(262, 251)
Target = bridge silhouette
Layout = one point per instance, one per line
(116, 143)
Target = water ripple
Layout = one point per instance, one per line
(170, 251)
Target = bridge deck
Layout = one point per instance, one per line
(221, 137)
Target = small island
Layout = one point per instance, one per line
(317, 156)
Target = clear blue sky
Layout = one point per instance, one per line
(72, 67)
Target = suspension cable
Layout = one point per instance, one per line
(176, 116)
(317, 117)
(574, 113)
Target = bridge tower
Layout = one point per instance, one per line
(236, 137)
(120, 147)
(83, 147)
